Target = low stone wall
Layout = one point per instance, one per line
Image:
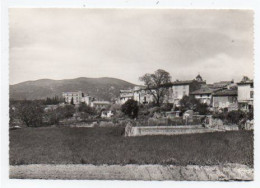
(167, 130)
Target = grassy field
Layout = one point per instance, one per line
(109, 146)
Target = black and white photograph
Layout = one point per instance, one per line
(131, 94)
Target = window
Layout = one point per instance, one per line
(184, 93)
(251, 94)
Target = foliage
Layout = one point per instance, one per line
(30, 113)
(66, 111)
(53, 101)
(86, 109)
(250, 114)
(12, 115)
(130, 108)
(156, 85)
(72, 101)
(191, 103)
(52, 117)
(166, 107)
(235, 117)
(62, 112)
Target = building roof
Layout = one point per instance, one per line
(204, 90)
(126, 91)
(183, 82)
(226, 92)
(245, 82)
(221, 84)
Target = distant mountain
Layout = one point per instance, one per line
(102, 88)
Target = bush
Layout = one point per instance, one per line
(62, 112)
(52, 117)
(166, 107)
(235, 117)
(66, 112)
(87, 109)
(130, 108)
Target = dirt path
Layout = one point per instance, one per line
(133, 172)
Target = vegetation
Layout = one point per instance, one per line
(191, 103)
(98, 146)
(29, 112)
(235, 117)
(155, 84)
(53, 101)
(130, 108)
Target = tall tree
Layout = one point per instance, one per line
(156, 85)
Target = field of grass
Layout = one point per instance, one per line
(109, 146)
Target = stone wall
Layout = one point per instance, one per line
(166, 130)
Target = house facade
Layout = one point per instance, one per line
(204, 95)
(180, 89)
(100, 104)
(77, 97)
(225, 99)
(141, 95)
(125, 95)
(246, 95)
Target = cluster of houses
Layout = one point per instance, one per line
(79, 97)
(220, 95)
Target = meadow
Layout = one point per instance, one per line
(108, 145)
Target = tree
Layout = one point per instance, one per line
(72, 101)
(156, 85)
(188, 103)
(30, 113)
(130, 108)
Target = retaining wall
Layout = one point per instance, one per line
(167, 130)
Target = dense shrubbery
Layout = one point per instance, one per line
(53, 101)
(85, 111)
(234, 117)
(190, 103)
(130, 108)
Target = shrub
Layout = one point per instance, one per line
(52, 117)
(166, 107)
(235, 117)
(67, 111)
(130, 108)
(87, 109)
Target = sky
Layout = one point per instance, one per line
(127, 43)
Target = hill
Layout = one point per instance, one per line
(102, 88)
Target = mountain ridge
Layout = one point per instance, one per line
(103, 88)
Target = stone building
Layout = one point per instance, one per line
(77, 97)
(100, 104)
(245, 94)
(204, 95)
(225, 99)
(141, 95)
(180, 89)
(125, 95)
